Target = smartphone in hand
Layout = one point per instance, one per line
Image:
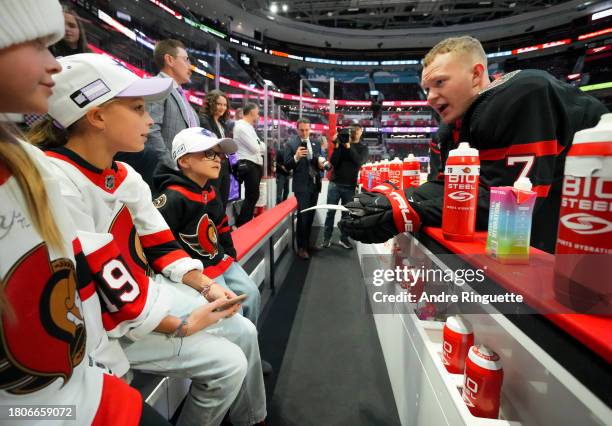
(231, 302)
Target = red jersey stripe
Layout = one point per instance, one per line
(200, 197)
(541, 190)
(156, 239)
(100, 257)
(591, 149)
(539, 149)
(214, 271)
(120, 404)
(87, 291)
(224, 229)
(163, 261)
(4, 174)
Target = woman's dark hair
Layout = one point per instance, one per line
(210, 104)
(61, 48)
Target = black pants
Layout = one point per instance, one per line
(304, 220)
(282, 187)
(336, 193)
(251, 176)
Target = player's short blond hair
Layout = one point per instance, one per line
(462, 45)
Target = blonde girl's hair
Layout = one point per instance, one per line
(23, 169)
(16, 160)
(48, 133)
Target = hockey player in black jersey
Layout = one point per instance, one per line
(195, 214)
(522, 124)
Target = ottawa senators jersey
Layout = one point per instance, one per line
(124, 239)
(49, 314)
(523, 124)
(197, 218)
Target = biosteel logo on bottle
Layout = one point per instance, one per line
(461, 176)
(375, 174)
(584, 240)
(384, 171)
(395, 172)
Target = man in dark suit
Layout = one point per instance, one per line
(170, 116)
(303, 156)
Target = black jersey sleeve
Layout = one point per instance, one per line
(525, 127)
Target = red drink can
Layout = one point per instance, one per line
(461, 176)
(482, 382)
(458, 339)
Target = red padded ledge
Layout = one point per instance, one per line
(248, 235)
(593, 331)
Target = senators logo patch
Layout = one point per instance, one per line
(43, 332)
(126, 237)
(204, 242)
(160, 201)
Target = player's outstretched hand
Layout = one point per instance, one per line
(370, 219)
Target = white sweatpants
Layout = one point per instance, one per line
(222, 362)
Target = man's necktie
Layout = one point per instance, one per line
(307, 142)
(191, 117)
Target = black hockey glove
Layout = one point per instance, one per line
(377, 216)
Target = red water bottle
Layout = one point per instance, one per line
(384, 171)
(584, 240)
(460, 193)
(395, 172)
(411, 173)
(368, 177)
(457, 341)
(376, 174)
(482, 382)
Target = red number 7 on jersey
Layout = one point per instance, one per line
(516, 159)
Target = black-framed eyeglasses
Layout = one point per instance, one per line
(211, 155)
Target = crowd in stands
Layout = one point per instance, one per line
(389, 120)
(400, 91)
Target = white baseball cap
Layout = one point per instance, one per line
(89, 79)
(198, 139)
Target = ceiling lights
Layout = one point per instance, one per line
(274, 8)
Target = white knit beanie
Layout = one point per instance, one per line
(26, 20)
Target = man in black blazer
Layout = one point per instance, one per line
(303, 156)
